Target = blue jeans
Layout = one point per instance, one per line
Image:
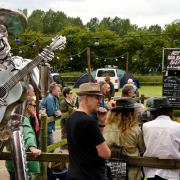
(50, 139)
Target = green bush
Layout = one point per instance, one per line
(74, 73)
(149, 79)
(70, 79)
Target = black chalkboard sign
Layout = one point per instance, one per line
(171, 59)
(171, 89)
(118, 169)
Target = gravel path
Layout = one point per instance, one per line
(3, 172)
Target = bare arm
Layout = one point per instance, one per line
(36, 152)
(103, 150)
(101, 113)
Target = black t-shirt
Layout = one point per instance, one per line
(83, 135)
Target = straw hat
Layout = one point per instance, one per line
(89, 89)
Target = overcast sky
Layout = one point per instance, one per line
(140, 12)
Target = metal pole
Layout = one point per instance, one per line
(89, 63)
(127, 63)
(19, 155)
(163, 59)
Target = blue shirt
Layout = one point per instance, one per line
(51, 103)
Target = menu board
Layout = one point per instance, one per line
(118, 168)
(172, 59)
(171, 89)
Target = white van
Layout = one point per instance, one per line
(112, 72)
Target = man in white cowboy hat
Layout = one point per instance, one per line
(87, 147)
(162, 139)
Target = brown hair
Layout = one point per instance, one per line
(66, 90)
(54, 85)
(125, 119)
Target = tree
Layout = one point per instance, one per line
(35, 21)
(93, 24)
(74, 22)
(156, 29)
(118, 25)
(172, 32)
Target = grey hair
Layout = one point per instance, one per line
(126, 88)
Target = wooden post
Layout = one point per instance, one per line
(43, 146)
(44, 76)
(127, 63)
(142, 99)
(89, 63)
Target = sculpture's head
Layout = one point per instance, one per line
(4, 45)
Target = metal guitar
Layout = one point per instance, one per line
(12, 90)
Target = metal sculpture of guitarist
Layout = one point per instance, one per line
(13, 69)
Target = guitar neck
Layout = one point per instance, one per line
(22, 73)
(57, 43)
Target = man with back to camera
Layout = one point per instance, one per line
(87, 147)
(162, 139)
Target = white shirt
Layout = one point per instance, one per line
(162, 140)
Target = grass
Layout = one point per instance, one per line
(151, 91)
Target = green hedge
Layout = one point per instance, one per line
(145, 78)
(70, 79)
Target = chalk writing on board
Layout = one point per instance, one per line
(118, 169)
(173, 59)
(171, 89)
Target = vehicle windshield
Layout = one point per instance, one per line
(104, 73)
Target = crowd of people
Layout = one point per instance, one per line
(98, 124)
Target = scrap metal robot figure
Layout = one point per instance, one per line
(11, 113)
